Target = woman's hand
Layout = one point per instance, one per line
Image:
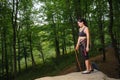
(87, 49)
(77, 47)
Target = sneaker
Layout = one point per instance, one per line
(86, 72)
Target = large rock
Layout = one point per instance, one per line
(96, 75)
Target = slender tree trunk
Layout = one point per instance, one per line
(57, 45)
(86, 8)
(5, 74)
(73, 31)
(25, 54)
(42, 56)
(111, 30)
(18, 40)
(57, 49)
(78, 11)
(1, 44)
(6, 56)
(14, 25)
(33, 61)
(102, 37)
(63, 43)
(41, 51)
(11, 60)
(19, 67)
(2, 49)
(71, 21)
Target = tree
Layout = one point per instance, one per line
(114, 42)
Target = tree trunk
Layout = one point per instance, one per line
(18, 39)
(19, 67)
(3, 52)
(42, 57)
(40, 49)
(78, 11)
(71, 21)
(111, 30)
(14, 25)
(33, 61)
(57, 49)
(57, 45)
(63, 43)
(6, 56)
(25, 54)
(102, 37)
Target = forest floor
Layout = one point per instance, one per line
(110, 67)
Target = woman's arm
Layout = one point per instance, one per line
(88, 39)
(78, 42)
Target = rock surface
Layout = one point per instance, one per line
(96, 75)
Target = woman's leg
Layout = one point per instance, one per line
(86, 58)
(88, 65)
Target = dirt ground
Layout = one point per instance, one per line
(110, 67)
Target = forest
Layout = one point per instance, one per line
(40, 35)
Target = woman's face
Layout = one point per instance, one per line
(80, 24)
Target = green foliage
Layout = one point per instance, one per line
(43, 25)
(52, 67)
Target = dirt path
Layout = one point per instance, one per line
(110, 67)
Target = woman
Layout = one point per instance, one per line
(83, 42)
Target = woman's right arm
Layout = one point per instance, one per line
(78, 42)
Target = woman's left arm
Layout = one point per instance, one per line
(88, 39)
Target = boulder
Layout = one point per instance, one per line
(95, 75)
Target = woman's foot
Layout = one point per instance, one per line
(86, 72)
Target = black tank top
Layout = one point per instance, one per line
(82, 33)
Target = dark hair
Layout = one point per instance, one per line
(82, 20)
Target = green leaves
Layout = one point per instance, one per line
(51, 26)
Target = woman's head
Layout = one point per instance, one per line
(82, 22)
